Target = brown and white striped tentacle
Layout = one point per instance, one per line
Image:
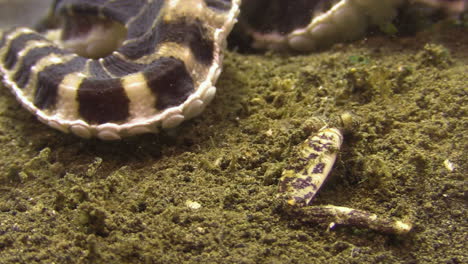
(163, 73)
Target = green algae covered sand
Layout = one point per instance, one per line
(206, 192)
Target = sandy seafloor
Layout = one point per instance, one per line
(69, 200)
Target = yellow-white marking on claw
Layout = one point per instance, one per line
(306, 174)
